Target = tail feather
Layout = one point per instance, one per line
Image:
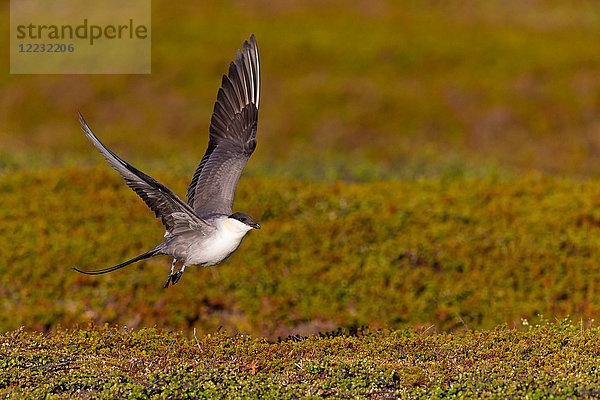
(149, 254)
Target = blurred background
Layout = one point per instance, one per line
(383, 93)
(392, 86)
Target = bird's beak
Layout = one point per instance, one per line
(255, 225)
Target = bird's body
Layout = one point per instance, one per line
(214, 247)
(204, 231)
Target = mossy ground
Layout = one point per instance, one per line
(441, 262)
(428, 168)
(441, 252)
(551, 360)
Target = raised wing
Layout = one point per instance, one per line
(232, 136)
(176, 215)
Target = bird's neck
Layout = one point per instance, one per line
(235, 227)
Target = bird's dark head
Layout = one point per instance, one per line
(245, 219)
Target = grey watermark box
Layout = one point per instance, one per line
(80, 37)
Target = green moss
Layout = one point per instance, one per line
(447, 96)
(549, 360)
(450, 253)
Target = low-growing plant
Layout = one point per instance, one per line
(547, 360)
(455, 253)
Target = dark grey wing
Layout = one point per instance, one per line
(232, 136)
(176, 215)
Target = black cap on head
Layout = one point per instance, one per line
(245, 218)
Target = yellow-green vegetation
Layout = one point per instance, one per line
(558, 360)
(453, 253)
(425, 167)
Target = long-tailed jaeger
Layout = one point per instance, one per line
(205, 230)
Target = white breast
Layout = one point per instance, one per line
(221, 244)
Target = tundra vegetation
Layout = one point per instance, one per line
(426, 179)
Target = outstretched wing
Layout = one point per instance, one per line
(176, 215)
(232, 136)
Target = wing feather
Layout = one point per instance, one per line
(176, 215)
(232, 135)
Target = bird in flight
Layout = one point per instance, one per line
(205, 230)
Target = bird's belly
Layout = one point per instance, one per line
(211, 251)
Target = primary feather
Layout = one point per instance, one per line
(232, 136)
